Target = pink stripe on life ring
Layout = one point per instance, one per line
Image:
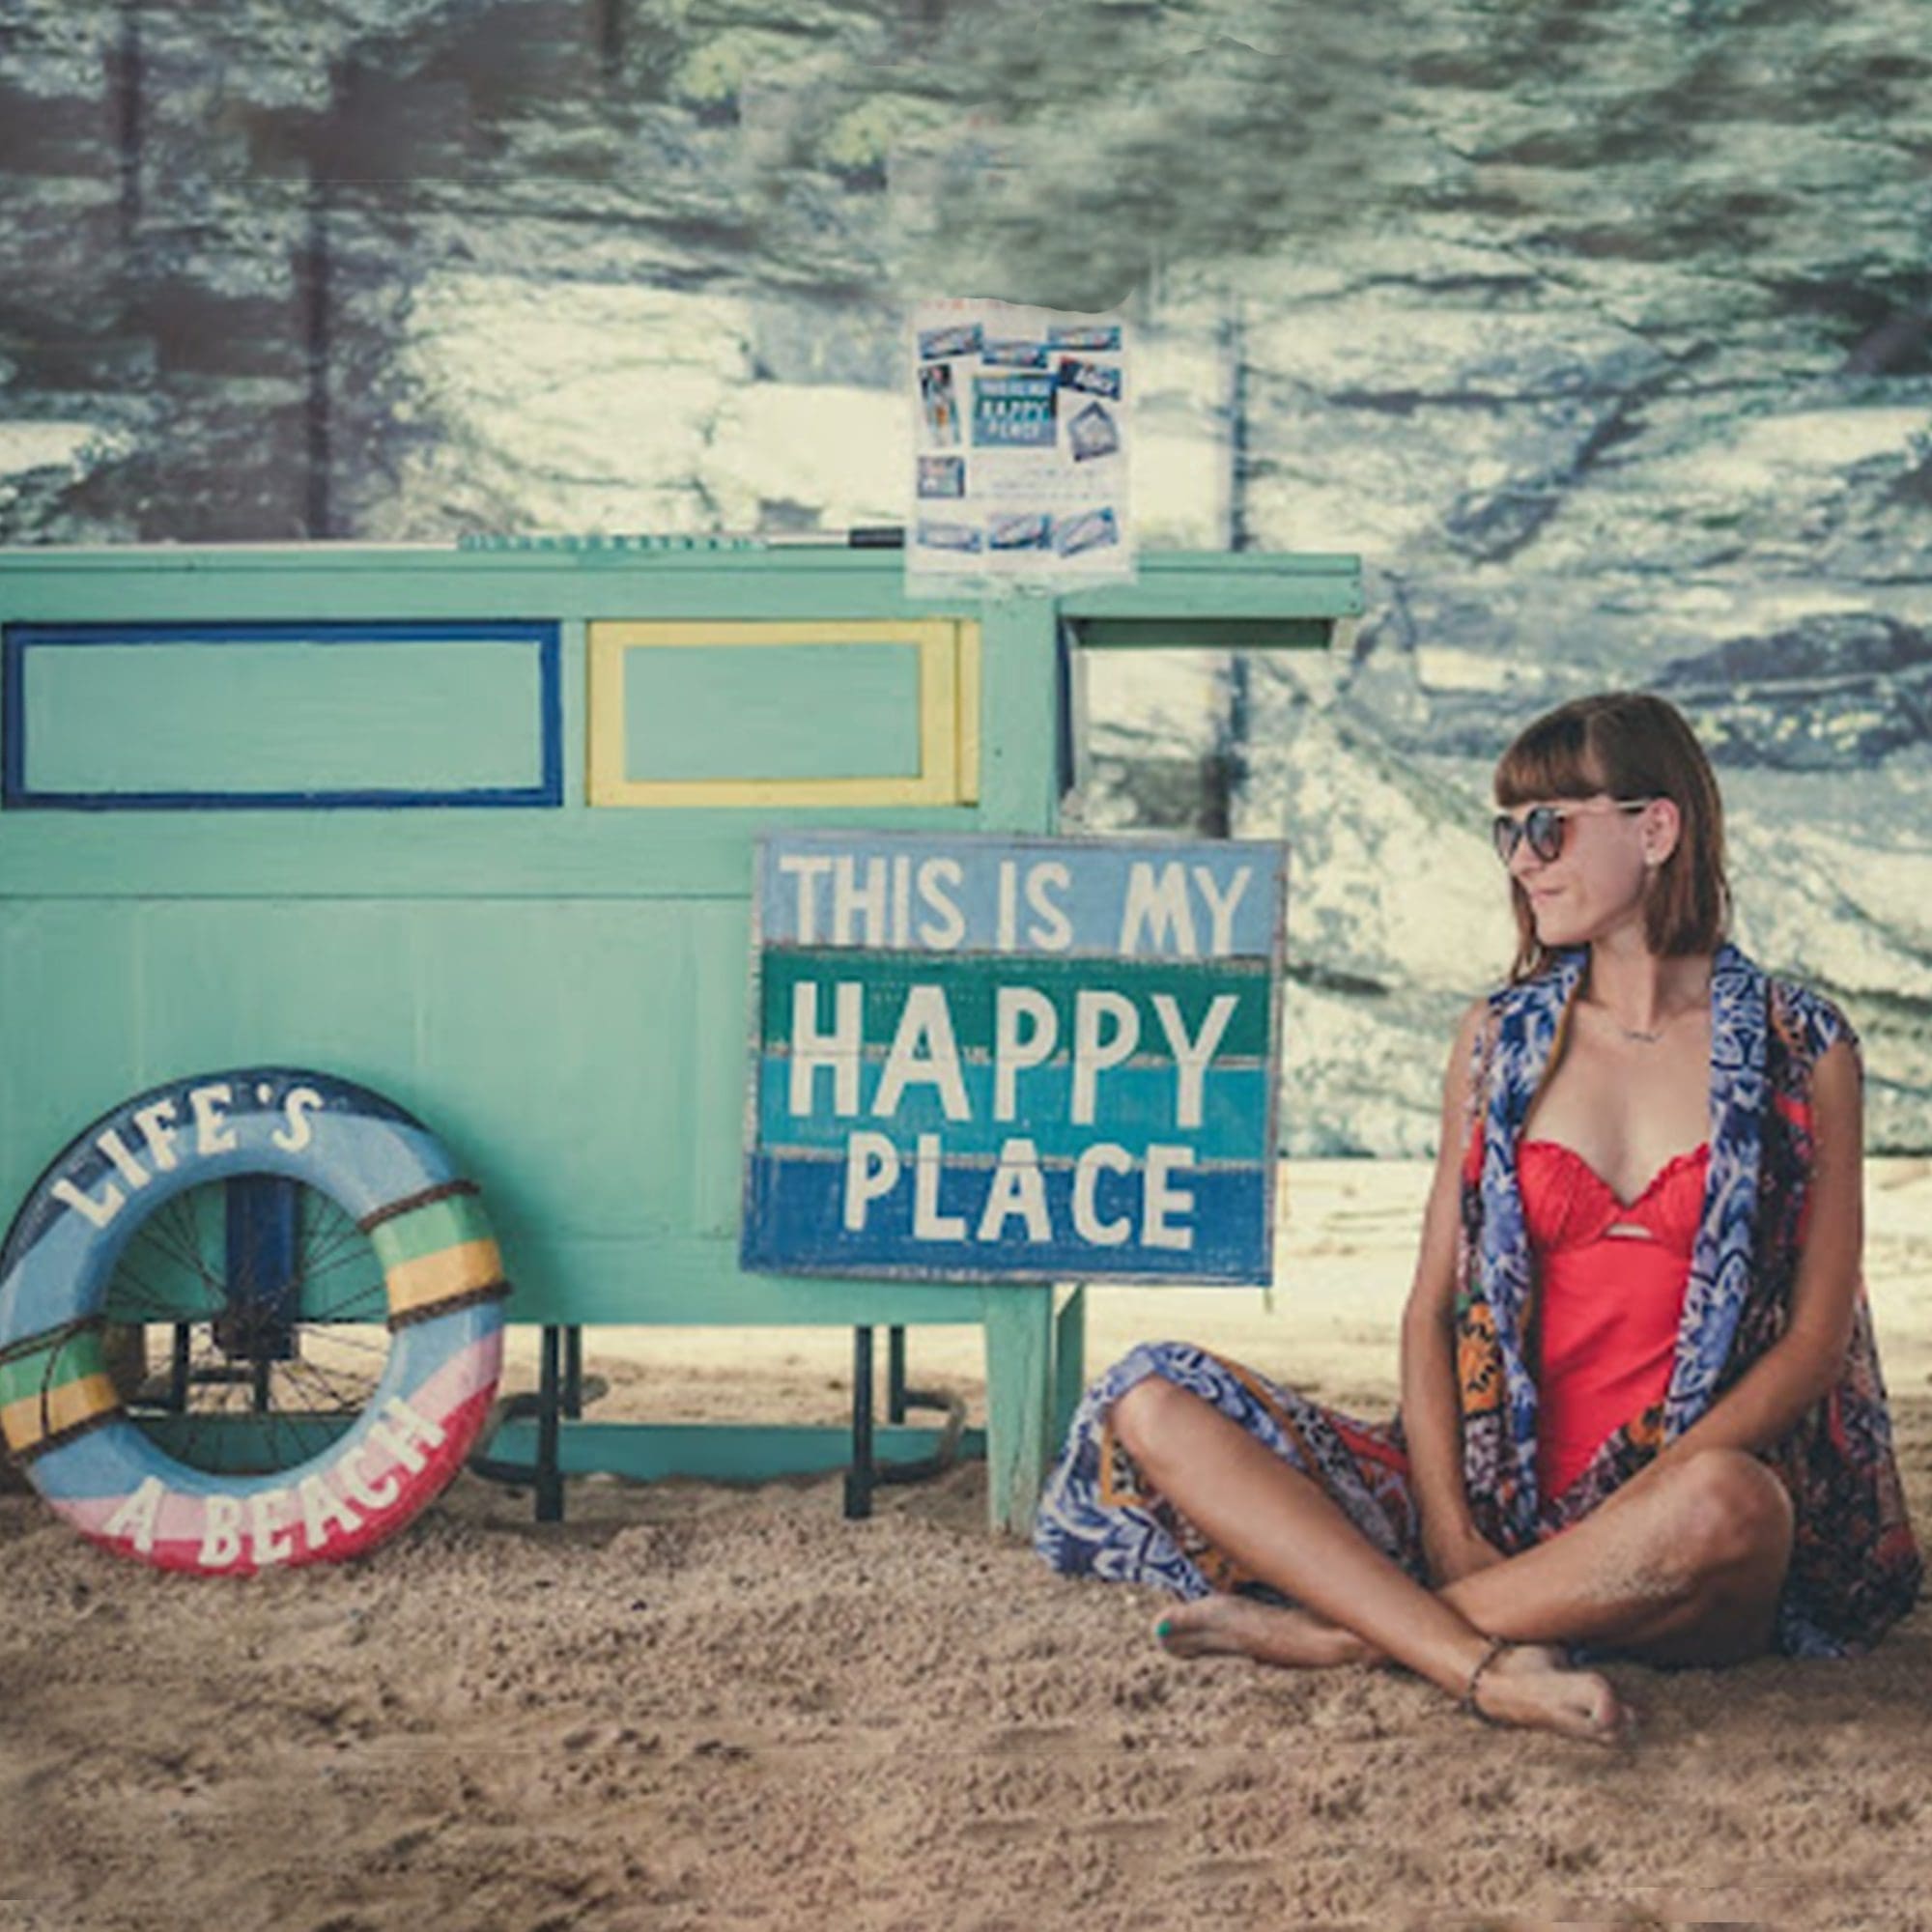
(345, 1505)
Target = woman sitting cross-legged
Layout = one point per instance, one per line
(1641, 1409)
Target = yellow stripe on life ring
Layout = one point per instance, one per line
(31, 1421)
(450, 1274)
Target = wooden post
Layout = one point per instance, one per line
(1070, 1364)
(1019, 1355)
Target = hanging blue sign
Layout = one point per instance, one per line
(982, 1058)
(1013, 412)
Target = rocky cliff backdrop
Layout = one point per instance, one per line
(1599, 328)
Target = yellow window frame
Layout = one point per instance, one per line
(949, 714)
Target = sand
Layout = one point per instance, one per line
(696, 1706)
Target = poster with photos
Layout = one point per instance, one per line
(1020, 439)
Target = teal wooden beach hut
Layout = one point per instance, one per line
(473, 828)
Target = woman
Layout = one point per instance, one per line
(1642, 1410)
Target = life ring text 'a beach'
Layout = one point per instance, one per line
(330, 1303)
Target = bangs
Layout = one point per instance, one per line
(1551, 760)
(1634, 746)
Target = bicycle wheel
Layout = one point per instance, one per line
(247, 1320)
(246, 1325)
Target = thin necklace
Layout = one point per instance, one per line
(1638, 1036)
(1641, 1036)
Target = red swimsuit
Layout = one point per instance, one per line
(1607, 1305)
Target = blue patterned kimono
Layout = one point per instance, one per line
(1855, 1566)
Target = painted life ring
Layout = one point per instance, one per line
(441, 1292)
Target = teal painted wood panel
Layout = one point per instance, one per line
(972, 983)
(124, 585)
(240, 716)
(719, 1452)
(576, 852)
(549, 1033)
(721, 1015)
(1019, 1404)
(424, 581)
(70, 1044)
(1192, 594)
(584, 1066)
(331, 985)
(574, 642)
(594, 1054)
(561, 995)
(772, 711)
(1019, 781)
(539, 854)
(1070, 1363)
(583, 1060)
(695, 1281)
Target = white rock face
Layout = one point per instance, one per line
(40, 460)
(1605, 342)
(593, 409)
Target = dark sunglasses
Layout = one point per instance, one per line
(1542, 825)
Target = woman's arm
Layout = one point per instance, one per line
(1804, 1362)
(1430, 1406)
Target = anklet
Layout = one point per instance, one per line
(1497, 1645)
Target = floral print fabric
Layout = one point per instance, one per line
(1856, 1567)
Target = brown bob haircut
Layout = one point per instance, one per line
(1630, 744)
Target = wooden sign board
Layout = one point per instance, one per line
(999, 1059)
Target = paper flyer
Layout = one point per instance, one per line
(1021, 428)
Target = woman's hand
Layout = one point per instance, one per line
(1431, 1400)
(1455, 1553)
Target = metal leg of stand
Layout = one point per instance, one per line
(180, 1364)
(573, 1373)
(895, 1374)
(859, 1477)
(549, 1471)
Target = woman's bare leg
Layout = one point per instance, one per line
(1686, 1567)
(1280, 1525)
(1694, 1565)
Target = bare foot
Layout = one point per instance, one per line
(1529, 1683)
(1224, 1626)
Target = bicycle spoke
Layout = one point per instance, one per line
(344, 1237)
(335, 1339)
(276, 1425)
(334, 1263)
(242, 1402)
(165, 1247)
(368, 1305)
(175, 1229)
(334, 1394)
(150, 1304)
(347, 1265)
